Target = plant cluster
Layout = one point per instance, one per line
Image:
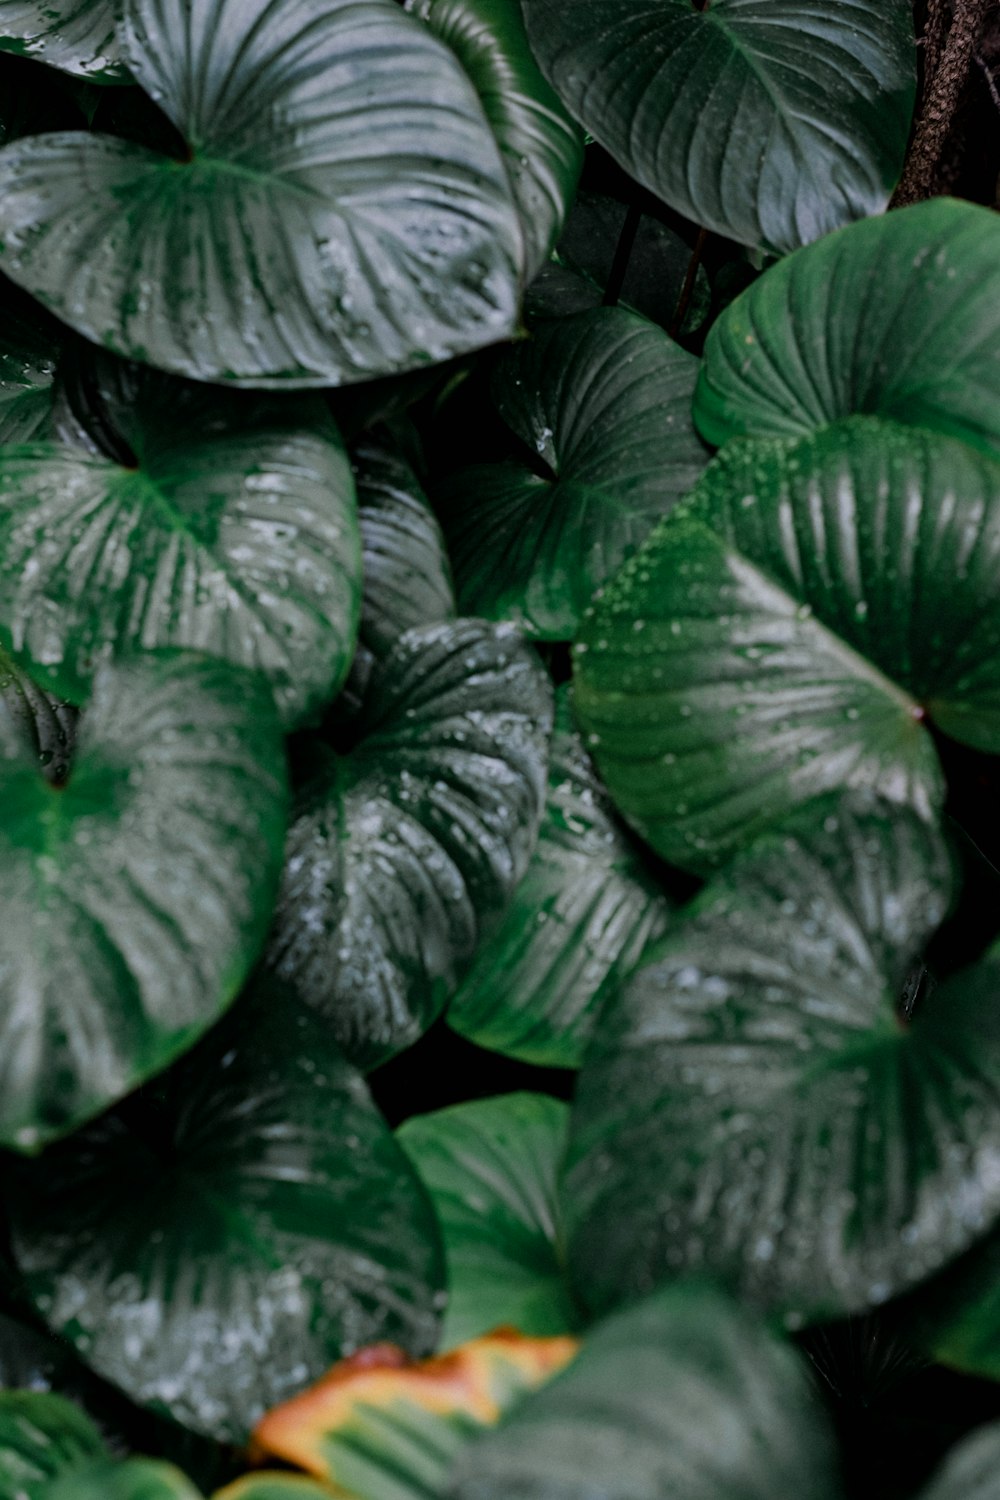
(499, 707)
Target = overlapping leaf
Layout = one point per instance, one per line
(134, 891)
(579, 921)
(205, 523)
(491, 1168)
(601, 403)
(221, 1239)
(542, 148)
(754, 1104)
(381, 1427)
(405, 852)
(770, 121)
(897, 318)
(682, 1394)
(342, 210)
(789, 631)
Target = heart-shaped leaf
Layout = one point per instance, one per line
(380, 1427)
(683, 1394)
(491, 1168)
(78, 36)
(542, 147)
(136, 890)
(405, 852)
(787, 632)
(579, 920)
(601, 403)
(50, 1451)
(898, 317)
(210, 521)
(219, 1240)
(754, 1103)
(770, 121)
(342, 210)
(971, 1471)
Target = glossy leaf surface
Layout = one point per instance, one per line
(579, 920)
(214, 522)
(601, 404)
(407, 575)
(261, 1161)
(405, 852)
(491, 1168)
(683, 1394)
(897, 317)
(788, 632)
(754, 1104)
(342, 210)
(136, 891)
(380, 1427)
(542, 147)
(77, 36)
(769, 121)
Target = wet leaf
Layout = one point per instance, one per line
(542, 147)
(601, 404)
(403, 854)
(897, 317)
(789, 631)
(341, 210)
(579, 920)
(219, 1240)
(754, 1106)
(78, 36)
(491, 1167)
(971, 1471)
(769, 121)
(135, 892)
(206, 520)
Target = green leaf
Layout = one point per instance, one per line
(580, 919)
(897, 317)
(491, 1168)
(754, 1104)
(219, 1240)
(136, 891)
(971, 1470)
(682, 1394)
(33, 723)
(404, 853)
(542, 147)
(787, 632)
(342, 210)
(50, 1451)
(29, 352)
(380, 1427)
(277, 1486)
(769, 121)
(77, 36)
(601, 403)
(407, 576)
(211, 521)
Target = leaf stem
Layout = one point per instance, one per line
(687, 290)
(623, 254)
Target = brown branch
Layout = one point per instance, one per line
(946, 71)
